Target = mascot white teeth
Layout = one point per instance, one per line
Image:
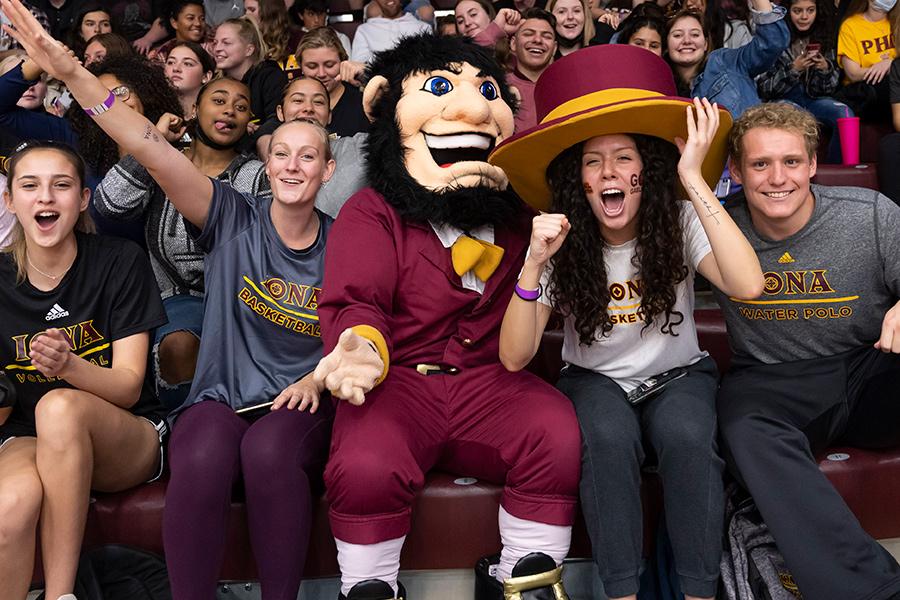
(419, 270)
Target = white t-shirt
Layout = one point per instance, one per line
(627, 354)
(379, 34)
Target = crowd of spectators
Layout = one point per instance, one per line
(220, 77)
(831, 59)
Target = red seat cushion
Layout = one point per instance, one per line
(864, 175)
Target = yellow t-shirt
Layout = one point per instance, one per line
(865, 42)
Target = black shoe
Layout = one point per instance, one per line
(374, 589)
(486, 585)
(535, 577)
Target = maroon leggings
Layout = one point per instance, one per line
(278, 455)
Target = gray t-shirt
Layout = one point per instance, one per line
(260, 322)
(827, 287)
(349, 174)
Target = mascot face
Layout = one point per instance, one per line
(438, 107)
(450, 120)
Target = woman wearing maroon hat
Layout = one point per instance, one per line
(616, 255)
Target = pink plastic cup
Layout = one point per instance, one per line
(848, 129)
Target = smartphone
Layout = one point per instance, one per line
(813, 49)
(653, 385)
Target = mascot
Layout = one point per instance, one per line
(418, 273)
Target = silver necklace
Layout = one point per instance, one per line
(47, 275)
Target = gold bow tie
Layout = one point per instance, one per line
(469, 254)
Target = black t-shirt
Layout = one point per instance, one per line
(348, 117)
(108, 294)
(133, 18)
(894, 82)
(60, 18)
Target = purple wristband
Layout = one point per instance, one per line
(529, 295)
(102, 107)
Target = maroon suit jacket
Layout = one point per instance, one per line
(397, 277)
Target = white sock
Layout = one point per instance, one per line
(521, 537)
(67, 597)
(359, 562)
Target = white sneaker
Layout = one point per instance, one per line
(67, 597)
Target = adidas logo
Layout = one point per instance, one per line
(57, 312)
(786, 258)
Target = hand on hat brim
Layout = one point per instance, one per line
(701, 132)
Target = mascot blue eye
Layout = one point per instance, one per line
(437, 85)
(489, 90)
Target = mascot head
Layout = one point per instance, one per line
(439, 106)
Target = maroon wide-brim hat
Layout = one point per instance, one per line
(601, 90)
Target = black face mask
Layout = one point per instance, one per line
(197, 132)
(566, 43)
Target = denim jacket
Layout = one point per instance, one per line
(728, 77)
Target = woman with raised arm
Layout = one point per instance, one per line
(724, 75)
(77, 314)
(616, 255)
(128, 192)
(253, 411)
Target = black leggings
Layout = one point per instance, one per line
(278, 456)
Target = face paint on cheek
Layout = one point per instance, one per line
(637, 181)
(587, 188)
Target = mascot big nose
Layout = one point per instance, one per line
(419, 270)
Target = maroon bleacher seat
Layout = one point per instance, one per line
(348, 28)
(870, 135)
(337, 7)
(444, 4)
(862, 175)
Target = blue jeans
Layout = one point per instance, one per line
(185, 313)
(827, 111)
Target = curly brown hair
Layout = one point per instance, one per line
(579, 286)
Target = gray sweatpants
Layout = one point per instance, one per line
(679, 424)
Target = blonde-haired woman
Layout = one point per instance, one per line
(320, 54)
(574, 25)
(240, 53)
